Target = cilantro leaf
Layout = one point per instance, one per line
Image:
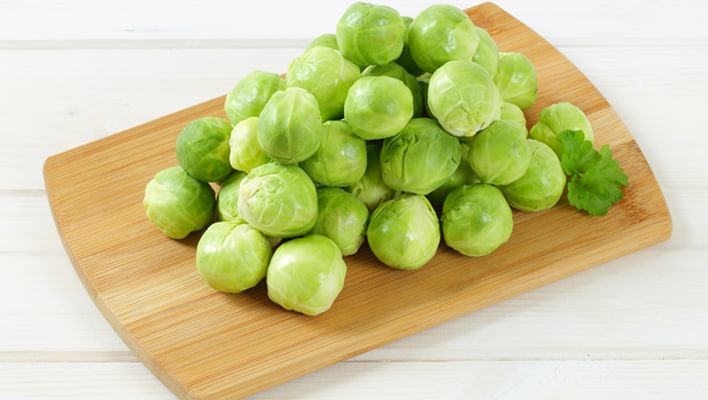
(595, 179)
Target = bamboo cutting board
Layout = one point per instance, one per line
(208, 345)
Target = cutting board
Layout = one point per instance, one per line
(204, 344)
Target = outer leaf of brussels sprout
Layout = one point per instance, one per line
(341, 158)
(371, 188)
(403, 232)
(306, 274)
(370, 34)
(556, 119)
(487, 53)
(232, 256)
(289, 127)
(326, 40)
(326, 74)
(500, 153)
(516, 79)
(245, 152)
(542, 184)
(177, 203)
(278, 200)
(397, 71)
(439, 34)
(476, 219)
(420, 158)
(512, 113)
(378, 107)
(227, 198)
(342, 218)
(250, 94)
(203, 149)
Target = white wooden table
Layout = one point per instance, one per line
(72, 71)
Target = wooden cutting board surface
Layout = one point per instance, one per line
(208, 345)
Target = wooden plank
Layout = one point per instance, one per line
(204, 344)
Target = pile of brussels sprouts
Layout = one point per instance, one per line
(401, 132)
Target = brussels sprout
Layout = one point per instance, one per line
(512, 113)
(394, 70)
(500, 153)
(487, 53)
(326, 40)
(342, 218)
(405, 60)
(245, 152)
(420, 158)
(177, 203)
(306, 274)
(439, 34)
(203, 149)
(463, 175)
(326, 74)
(403, 232)
(289, 127)
(232, 256)
(463, 98)
(476, 219)
(250, 95)
(542, 185)
(516, 79)
(370, 34)
(556, 119)
(378, 107)
(227, 198)
(371, 189)
(278, 200)
(341, 157)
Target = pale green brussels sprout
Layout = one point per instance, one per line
(512, 113)
(378, 107)
(342, 218)
(500, 154)
(439, 34)
(306, 274)
(394, 70)
(404, 232)
(278, 200)
(370, 34)
(250, 95)
(419, 158)
(326, 40)
(542, 185)
(371, 188)
(326, 74)
(289, 127)
(245, 152)
(556, 119)
(232, 256)
(227, 198)
(516, 79)
(177, 203)
(463, 175)
(476, 219)
(405, 60)
(341, 158)
(203, 149)
(487, 53)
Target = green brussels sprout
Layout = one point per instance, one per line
(227, 198)
(439, 34)
(278, 200)
(341, 157)
(378, 107)
(463, 98)
(371, 188)
(326, 74)
(326, 40)
(250, 95)
(245, 152)
(177, 203)
(203, 149)
(232, 256)
(370, 34)
(394, 70)
(420, 158)
(342, 218)
(476, 219)
(289, 127)
(306, 274)
(542, 185)
(500, 154)
(556, 119)
(405, 60)
(463, 175)
(487, 53)
(512, 113)
(516, 79)
(404, 232)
